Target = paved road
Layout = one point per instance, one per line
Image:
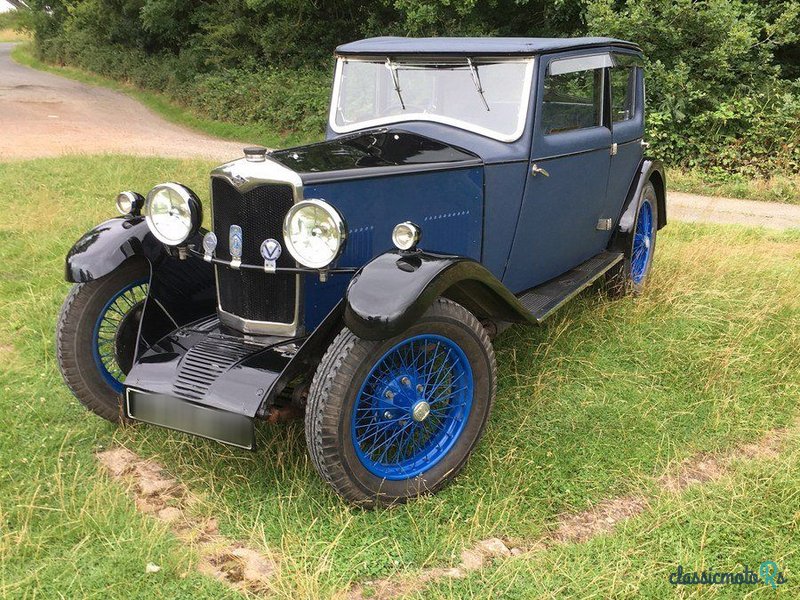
(46, 115)
(707, 209)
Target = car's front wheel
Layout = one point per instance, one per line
(389, 420)
(96, 336)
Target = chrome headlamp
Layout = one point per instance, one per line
(314, 233)
(173, 212)
(406, 235)
(129, 203)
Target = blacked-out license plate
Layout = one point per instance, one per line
(180, 415)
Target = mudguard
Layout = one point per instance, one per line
(180, 291)
(648, 170)
(396, 288)
(107, 246)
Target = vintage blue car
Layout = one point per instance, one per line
(464, 184)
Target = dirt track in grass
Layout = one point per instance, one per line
(157, 494)
(579, 527)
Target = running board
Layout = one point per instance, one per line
(545, 299)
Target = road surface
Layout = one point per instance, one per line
(46, 115)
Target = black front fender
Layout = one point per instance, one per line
(180, 291)
(396, 288)
(107, 246)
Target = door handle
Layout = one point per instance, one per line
(536, 170)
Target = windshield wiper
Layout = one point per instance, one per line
(476, 79)
(396, 80)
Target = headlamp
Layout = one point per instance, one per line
(129, 203)
(314, 233)
(406, 235)
(173, 212)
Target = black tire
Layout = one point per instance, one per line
(74, 339)
(618, 279)
(335, 387)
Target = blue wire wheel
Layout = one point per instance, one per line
(643, 241)
(106, 328)
(412, 407)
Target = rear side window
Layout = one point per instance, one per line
(572, 101)
(623, 93)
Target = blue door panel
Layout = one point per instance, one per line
(447, 205)
(504, 186)
(624, 165)
(558, 224)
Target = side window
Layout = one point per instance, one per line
(623, 93)
(572, 100)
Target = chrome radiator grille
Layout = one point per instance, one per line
(253, 295)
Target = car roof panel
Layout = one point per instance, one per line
(474, 46)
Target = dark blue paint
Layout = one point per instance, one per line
(423, 371)
(624, 165)
(473, 46)
(447, 205)
(504, 186)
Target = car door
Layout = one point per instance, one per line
(627, 128)
(565, 191)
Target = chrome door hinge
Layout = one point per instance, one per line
(614, 149)
(604, 224)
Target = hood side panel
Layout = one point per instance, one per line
(446, 204)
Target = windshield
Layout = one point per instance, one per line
(484, 95)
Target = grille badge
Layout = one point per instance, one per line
(270, 252)
(235, 245)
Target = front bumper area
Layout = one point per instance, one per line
(209, 380)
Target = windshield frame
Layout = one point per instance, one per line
(522, 118)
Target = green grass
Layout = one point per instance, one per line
(161, 105)
(778, 188)
(592, 405)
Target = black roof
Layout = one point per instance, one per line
(474, 46)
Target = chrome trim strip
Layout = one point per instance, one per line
(246, 175)
(513, 137)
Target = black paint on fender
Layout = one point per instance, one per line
(649, 170)
(180, 291)
(107, 246)
(394, 290)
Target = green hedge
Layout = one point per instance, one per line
(723, 76)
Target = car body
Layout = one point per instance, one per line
(509, 172)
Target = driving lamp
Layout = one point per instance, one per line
(406, 235)
(129, 203)
(314, 233)
(173, 212)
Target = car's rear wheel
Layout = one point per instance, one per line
(96, 336)
(389, 420)
(630, 276)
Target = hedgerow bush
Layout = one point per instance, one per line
(723, 76)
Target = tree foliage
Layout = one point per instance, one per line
(723, 76)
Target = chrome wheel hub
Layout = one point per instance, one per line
(421, 411)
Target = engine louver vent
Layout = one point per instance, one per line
(205, 362)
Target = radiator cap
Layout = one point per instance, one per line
(255, 153)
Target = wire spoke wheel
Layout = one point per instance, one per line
(412, 407)
(388, 420)
(115, 315)
(642, 242)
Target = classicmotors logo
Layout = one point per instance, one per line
(767, 574)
